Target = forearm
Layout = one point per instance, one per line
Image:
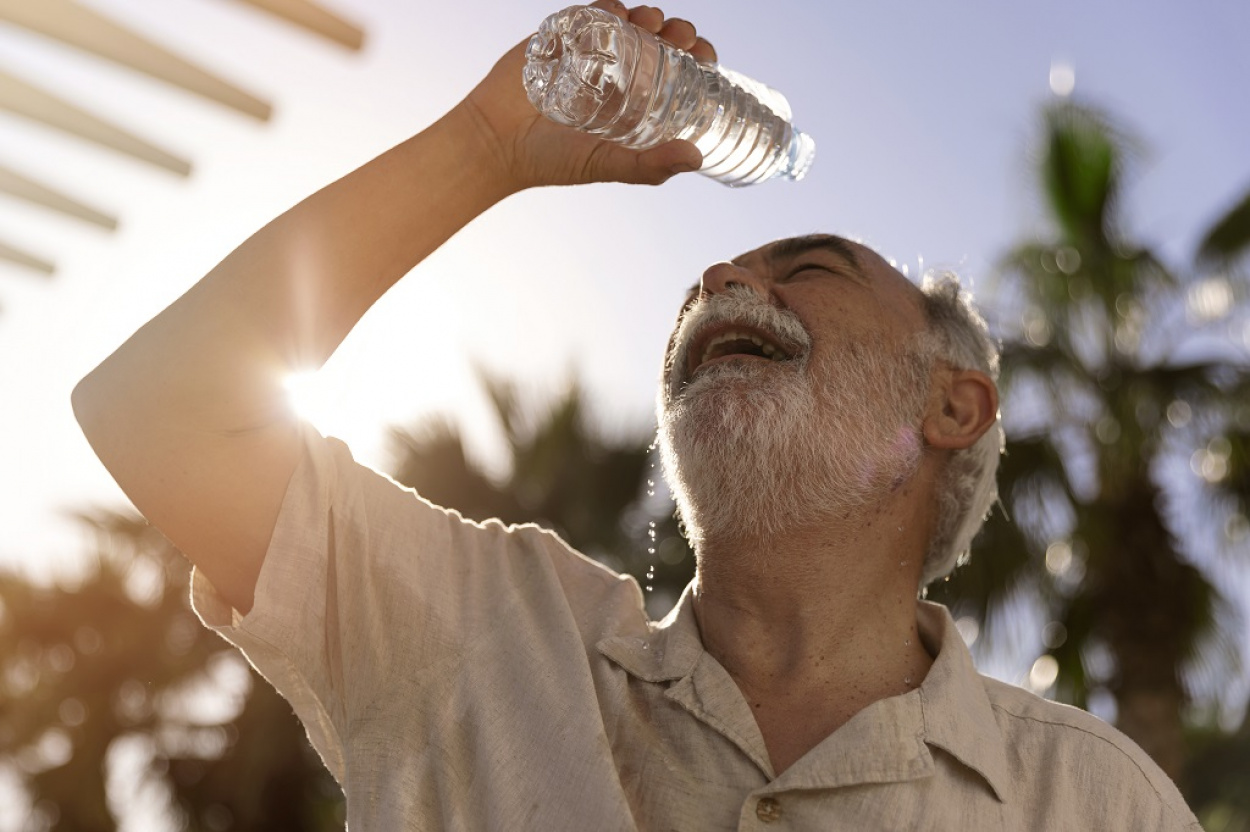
(288, 296)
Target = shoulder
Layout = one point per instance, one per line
(406, 550)
(603, 601)
(1065, 759)
(1024, 715)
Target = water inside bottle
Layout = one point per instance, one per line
(589, 69)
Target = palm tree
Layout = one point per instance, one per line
(1121, 369)
(102, 688)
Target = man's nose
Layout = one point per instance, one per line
(720, 276)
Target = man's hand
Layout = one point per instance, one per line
(533, 151)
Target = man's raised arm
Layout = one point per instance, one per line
(190, 414)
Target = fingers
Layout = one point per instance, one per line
(616, 7)
(647, 17)
(703, 51)
(681, 33)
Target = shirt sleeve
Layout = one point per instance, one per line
(367, 590)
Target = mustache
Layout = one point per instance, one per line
(736, 305)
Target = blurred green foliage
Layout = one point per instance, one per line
(1126, 389)
(113, 695)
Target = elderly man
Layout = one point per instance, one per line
(830, 431)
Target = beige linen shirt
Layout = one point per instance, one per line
(456, 675)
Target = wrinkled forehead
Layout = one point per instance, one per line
(790, 247)
(859, 258)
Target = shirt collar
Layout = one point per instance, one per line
(668, 652)
(950, 709)
(958, 717)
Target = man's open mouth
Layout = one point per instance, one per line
(736, 341)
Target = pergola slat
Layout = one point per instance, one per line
(315, 18)
(75, 25)
(25, 99)
(15, 255)
(22, 187)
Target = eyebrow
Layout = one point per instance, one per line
(792, 247)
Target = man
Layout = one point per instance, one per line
(830, 431)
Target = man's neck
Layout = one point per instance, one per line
(818, 624)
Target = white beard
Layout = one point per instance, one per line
(752, 449)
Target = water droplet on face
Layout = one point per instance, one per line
(907, 680)
(907, 642)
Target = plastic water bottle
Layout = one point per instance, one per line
(591, 70)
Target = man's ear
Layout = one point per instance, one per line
(963, 406)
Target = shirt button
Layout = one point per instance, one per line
(768, 810)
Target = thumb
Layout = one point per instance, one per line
(660, 163)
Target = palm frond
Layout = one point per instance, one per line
(1228, 239)
(1004, 554)
(1214, 779)
(1081, 172)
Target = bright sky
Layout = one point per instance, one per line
(922, 113)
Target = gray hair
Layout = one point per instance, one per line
(967, 489)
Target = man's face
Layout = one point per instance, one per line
(838, 291)
(793, 388)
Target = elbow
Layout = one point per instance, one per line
(85, 405)
(90, 409)
(82, 401)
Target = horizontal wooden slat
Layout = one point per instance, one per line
(22, 187)
(78, 26)
(25, 99)
(14, 254)
(313, 17)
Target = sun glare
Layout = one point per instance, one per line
(310, 397)
(1062, 78)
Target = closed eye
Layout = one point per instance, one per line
(817, 270)
(810, 270)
